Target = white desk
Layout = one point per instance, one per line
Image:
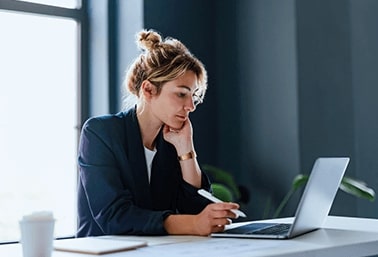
(341, 236)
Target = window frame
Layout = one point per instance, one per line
(105, 48)
(79, 15)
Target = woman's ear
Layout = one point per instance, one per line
(148, 89)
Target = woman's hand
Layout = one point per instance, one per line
(183, 142)
(213, 218)
(182, 139)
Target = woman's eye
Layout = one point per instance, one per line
(181, 95)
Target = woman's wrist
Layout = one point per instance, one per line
(180, 224)
(186, 156)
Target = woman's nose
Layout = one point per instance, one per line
(190, 105)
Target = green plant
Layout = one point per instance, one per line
(223, 185)
(225, 188)
(349, 185)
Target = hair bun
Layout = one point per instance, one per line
(148, 39)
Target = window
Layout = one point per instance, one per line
(61, 3)
(39, 113)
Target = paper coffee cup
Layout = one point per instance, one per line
(37, 234)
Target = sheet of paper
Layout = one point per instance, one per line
(218, 247)
(158, 240)
(93, 245)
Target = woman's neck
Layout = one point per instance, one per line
(149, 127)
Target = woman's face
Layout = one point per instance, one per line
(176, 100)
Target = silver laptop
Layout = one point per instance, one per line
(313, 208)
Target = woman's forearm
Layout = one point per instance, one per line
(180, 225)
(191, 172)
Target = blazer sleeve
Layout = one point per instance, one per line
(107, 193)
(189, 200)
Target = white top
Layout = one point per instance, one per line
(150, 154)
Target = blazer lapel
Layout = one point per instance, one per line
(135, 155)
(164, 176)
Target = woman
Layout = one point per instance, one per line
(138, 169)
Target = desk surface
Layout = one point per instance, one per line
(341, 236)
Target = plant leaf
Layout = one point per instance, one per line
(349, 185)
(221, 176)
(222, 192)
(299, 181)
(357, 188)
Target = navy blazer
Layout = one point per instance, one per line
(114, 194)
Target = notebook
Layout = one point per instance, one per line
(96, 245)
(313, 208)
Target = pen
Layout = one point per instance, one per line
(212, 198)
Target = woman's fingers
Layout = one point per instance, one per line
(224, 210)
(215, 217)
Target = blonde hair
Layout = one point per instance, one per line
(162, 61)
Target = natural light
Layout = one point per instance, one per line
(38, 124)
(61, 3)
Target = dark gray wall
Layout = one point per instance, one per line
(325, 84)
(337, 67)
(193, 23)
(288, 81)
(364, 56)
(257, 98)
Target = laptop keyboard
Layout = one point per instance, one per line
(277, 229)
